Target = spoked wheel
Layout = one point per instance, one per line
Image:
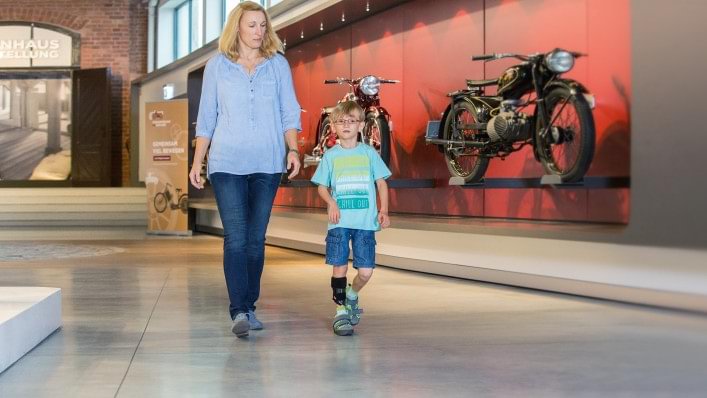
(376, 133)
(160, 202)
(463, 161)
(327, 137)
(567, 147)
(183, 203)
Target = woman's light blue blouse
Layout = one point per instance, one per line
(246, 116)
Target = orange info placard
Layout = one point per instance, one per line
(166, 174)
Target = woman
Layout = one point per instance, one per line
(248, 112)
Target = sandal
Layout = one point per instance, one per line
(342, 325)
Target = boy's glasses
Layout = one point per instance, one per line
(342, 122)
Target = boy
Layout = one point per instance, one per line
(349, 170)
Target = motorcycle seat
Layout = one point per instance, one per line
(481, 83)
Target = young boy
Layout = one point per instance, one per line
(349, 170)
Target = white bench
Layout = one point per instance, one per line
(27, 316)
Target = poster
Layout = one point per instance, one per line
(166, 178)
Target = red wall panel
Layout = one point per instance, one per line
(438, 39)
(526, 27)
(378, 50)
(609, 78)
(427, 45)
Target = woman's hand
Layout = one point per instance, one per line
(293, 163)
(334, 214)
(383, 220)
(195, 175)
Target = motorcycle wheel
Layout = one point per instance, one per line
(183, 203)
(324, 135)
(160, 202)
(376, 133)
(568, 147)
(463, 161)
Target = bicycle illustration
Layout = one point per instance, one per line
(165, 198)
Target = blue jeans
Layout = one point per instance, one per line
(362, 241)
(244, 204)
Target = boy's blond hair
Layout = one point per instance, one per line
(346, 108)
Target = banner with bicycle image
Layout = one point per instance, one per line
(166, 179)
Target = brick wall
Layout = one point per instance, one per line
(113, 34)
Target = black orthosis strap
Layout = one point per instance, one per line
(338, 286)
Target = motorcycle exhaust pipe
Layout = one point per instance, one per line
(439, 141)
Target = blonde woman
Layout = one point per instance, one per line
(248, 120)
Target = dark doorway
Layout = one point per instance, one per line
(91, 144)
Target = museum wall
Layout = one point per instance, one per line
(668, 190)
(113, 34)
(427, 46)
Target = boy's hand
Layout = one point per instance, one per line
(334, 214)
(383, 220)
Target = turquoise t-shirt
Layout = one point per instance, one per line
(351, 174)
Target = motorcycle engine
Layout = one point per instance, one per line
(509, 126)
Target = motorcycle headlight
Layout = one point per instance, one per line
(559, 61)
(370, 85)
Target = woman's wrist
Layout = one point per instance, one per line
(295, 150)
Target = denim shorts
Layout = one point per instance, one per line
(363, 243)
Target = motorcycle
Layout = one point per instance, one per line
(533, 105)
(377, 126)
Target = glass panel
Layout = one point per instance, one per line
(230, 5)
(57, 49)
(213, 20)
(11, 53)
(166, 36)
(35, 126)
(197, 24)
(182, 30)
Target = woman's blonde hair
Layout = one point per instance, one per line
(228, 43)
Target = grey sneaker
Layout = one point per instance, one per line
(354, 310)
(255, 324)
(241, 325)
(342, 325)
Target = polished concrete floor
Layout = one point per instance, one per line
(148, 318)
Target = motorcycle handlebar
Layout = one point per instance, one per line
(329, 81)
(495, 56)
(484, 57)
(389, 81)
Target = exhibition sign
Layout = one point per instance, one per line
(31, 45)
(166, 172)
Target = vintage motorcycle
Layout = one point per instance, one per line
(533, 105)
(377, 127)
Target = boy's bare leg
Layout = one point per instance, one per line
(363, 276)
(339, 271)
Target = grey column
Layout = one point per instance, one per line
(16, 104)
(31, 107)
(53, 116)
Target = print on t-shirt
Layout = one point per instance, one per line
(351, 174)
(352, 177)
